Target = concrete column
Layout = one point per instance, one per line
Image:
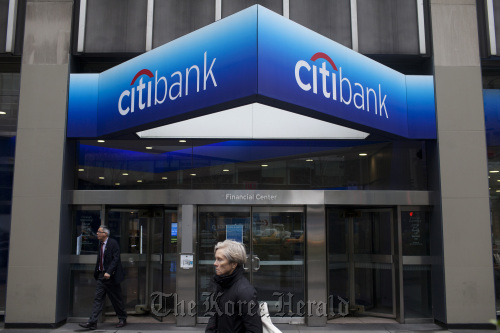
(467, 272)
(36, 287)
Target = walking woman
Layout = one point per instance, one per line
(237, 309)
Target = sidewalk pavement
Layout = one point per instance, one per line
(285, 328)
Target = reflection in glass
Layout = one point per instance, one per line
(146, 236)
(417, 291)
(9, 104)
(275, 248)
(360, 268)
(415, 233)
(211, 230)
(374, 287)
(237, 164)
(372, 233)
(278, 243)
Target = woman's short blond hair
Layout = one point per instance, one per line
(233, 251)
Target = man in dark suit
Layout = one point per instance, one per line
(108, 274)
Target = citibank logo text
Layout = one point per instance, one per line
(153, 89)
(364, 98)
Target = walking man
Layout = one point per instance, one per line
(108, 274)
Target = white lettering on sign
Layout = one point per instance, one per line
(141, 95)
(248, 196)
(368, 99)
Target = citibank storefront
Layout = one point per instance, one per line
(257, 129)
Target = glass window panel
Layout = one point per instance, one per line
(388, 26)
(230, 7)
(279, 244)
(82, 289)
(417, 291)
(173, 18)
(415, 233)
(494, 186)
(211, 230)
(338, 263)
(86, 223)
(9, 104)
(115, 26)
(372, 233)
(374, 287)
(329, 18)
(252, 164)
(145, 236)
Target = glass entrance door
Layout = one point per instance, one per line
(361, 261)
(148, 249)
(274, 240)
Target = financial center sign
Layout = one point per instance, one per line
(253, 56)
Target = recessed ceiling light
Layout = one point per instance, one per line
(81, 170)
(182, 141)
(101, 141)
(225, 170)
(149, 147)
(139, 180)
(125, 174)
(363, 154)
(3, 112)
(164, 178)
(117, 184)
(101, 177)
(494, 171)
(264, 165)
(193, 174)
(309, 160)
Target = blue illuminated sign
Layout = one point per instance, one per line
(205, 68)
(255, 55)
(301, 67)
(173, 233)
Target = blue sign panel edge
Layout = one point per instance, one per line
(82, 105)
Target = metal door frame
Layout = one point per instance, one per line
(315, 201)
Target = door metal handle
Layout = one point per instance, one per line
(245, 264)
(255, 259)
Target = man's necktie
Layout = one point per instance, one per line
(101, 259)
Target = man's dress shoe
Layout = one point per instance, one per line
(90, 326)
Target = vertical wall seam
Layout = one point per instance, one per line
(354, 25)
(218, 10)
(286, 8)
(149, 25)
(82, 26)
(11, 26)
(421, 27)
(491, 27)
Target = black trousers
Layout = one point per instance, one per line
(114, 291)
